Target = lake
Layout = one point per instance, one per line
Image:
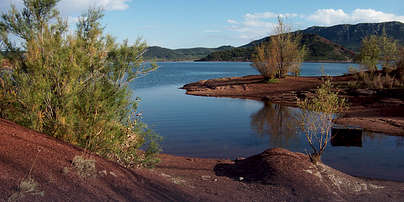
(212, 127)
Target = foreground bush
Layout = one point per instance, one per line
(73, 85)
(316, 117)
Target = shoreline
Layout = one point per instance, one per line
(272, 175)
(308, 61)
(373, 110)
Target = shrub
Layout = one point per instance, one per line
(316, 115)
(73, 85)
(370, 53)
(400, 66)
(27, 186)
(377, 80)
(377, 50)
(281, 55)
(84, 166)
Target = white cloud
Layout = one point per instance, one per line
(75, 7)
(255, 16)
(268, 15)
(338, 16)
(232, 21)
(329, 16)
(71, 9)
(256, 25)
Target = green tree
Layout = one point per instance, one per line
(369, 53)
(316, 115)
(378, 50)
(389, 50)
(280, 56)
(74, 85)
(400, 65)
(383, 51)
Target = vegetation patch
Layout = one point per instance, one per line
(27, 186)
(379, 52)
(282, 55)
(84, 166)
(272, 81)
(316, 116)
(74, 85)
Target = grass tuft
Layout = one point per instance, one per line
(274, 80)
(85, 167)
(27, 186)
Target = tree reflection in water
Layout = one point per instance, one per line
(276, 121)
(280, 124)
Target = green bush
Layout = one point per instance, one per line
(400, 66)
(73, 85)
(383, 51)
(316, 116)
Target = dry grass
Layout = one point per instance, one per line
(27, 186)
(376, 80)
(84, 166)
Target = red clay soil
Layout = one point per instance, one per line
(374, 110)
(59, 181)
(274, 175)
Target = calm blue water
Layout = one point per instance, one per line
(229, 128)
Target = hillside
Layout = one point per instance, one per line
(350, 36)
(324, 43)
(319, 49)
(164, 54)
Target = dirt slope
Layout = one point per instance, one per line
(274, 175)
(55, 175)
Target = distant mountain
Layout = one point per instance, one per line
(337, 42)
(164, 54)
(350, 36)
(319, 49)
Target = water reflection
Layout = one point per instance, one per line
(347, 137)
(381, 138)
(400, 142)
(279, 124)
(276, 121)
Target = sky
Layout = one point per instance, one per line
(213, 23)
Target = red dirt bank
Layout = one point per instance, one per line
(377, 111)
(274, 175)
